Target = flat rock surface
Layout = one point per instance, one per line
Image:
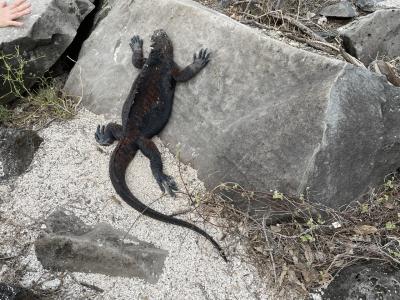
(374, 35)
(70, 172)
(262, 113)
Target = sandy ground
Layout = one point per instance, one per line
(71, 171)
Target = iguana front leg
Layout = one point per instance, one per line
(137, 51)
(106, 135)
(150, 150)
(199, 62)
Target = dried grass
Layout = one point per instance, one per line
(311, 243)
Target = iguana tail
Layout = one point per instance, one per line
(120, 159)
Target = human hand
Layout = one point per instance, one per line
(10, 12)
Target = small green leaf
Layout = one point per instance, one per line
(310, 223)
(277, 195)
(390, 225)
(389, 184)
(307, 238)
(364, 208)
(395, 253)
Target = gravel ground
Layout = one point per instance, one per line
(71, 171)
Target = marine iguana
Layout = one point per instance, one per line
(144, 114)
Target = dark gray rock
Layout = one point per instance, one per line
(71, 245)
(367, 281)
(17, 148)
(342, 9)
(377, 34)
(15, 292)
(46, 33)
(263, 114)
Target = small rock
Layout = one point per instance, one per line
(17, 148)
(76, 247)
(341, 9)
(365, 281)
(322, 21)
(225, 3)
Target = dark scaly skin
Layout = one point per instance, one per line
(145, 113)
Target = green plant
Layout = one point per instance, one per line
(390, 225)
(13, 73)
(4, 114)
(33, 107)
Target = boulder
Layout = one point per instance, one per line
(71, 245)
(377, 34)
(29, 51)
(365, 280)
(342, 9)
(262, 113)
(17, 148)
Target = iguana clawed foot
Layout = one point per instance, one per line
(136, 42)
(167, 182)
(101, 137)
(202, 59)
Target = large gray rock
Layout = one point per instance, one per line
(17, 148)
(46, 33)
(369, 281)
(71, 245)
(377, 34)
(262, 113)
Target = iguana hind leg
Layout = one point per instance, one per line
(106, 135)
(150, 150)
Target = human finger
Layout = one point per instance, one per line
(21, 7)
(20, 14)
(15, 23)
(17, 3)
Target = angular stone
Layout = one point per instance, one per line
(262, 113)
(342, 9)
(365, 281)
(46, 33)
(377, 34)
(17, 148)
(71, 245)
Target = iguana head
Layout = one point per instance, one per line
(161, 42)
